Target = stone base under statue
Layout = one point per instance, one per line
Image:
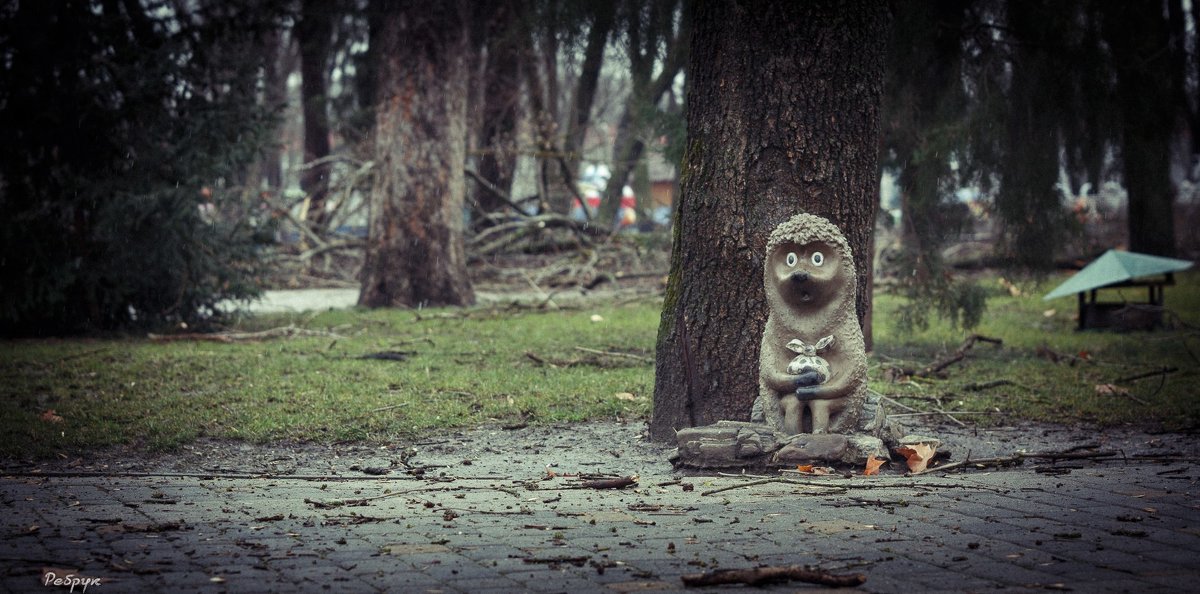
(736, 444)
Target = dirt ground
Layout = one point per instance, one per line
(597, 445)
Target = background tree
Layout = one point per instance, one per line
(561, 90)
(925, 111)
(1030, 203)
(1139, 37)
(500, 27)
(125, 129)
(782, 118)
(415, 254)
(656, 45)
(314, 32)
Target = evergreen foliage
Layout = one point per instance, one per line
(1032, 101)
(128, 125)
(927, 110)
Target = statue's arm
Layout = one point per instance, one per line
(838, 385)
(780, 381)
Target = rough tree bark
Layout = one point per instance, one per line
(315, 35)
(415, 253)
(783, 117)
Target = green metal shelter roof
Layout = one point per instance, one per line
(1114, 267)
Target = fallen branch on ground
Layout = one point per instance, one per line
(936, 368)
(615, 354)
(1019, 458)
(1136, 377)
(766, 575)
(601, 483)
(615, 483)
(829, 489)
(980, 386)
(290, 331)
(336, 503)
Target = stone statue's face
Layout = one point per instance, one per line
(807, 276)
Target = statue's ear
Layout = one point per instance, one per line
(796, 345)
(824, 342)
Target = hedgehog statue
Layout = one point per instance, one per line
(810, 284)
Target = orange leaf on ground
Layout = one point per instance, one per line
(873, 465)
(804, 467)
(51, 417)
(917, 455)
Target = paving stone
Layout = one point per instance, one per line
(974, 531)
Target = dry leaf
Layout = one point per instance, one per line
(597, 318)
(1111, 390)
(626, 396)
(1013, 290)
(873, 465)
(804, 467)
(1049, 313)
(51, 417)
(917, 455)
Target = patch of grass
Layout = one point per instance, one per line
(470, 370)
(1042, 389)
(461, 371)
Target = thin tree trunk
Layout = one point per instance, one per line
(279, 64)
(315, 33)
(415, 253)
(629, 147)
(783, 117)
(501, 105)
(589, 77)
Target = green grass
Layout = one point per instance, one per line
(464, 371)
(1044, 390)
(474, 369)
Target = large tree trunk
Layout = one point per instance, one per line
(315, 34)
(783, 117)
(415, 253)
(1139, 36)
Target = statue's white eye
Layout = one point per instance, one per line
(818, 258)
(791, 259)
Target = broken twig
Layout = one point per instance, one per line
(615, 354)
(1157, 372)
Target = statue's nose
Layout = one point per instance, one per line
(799, 276)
